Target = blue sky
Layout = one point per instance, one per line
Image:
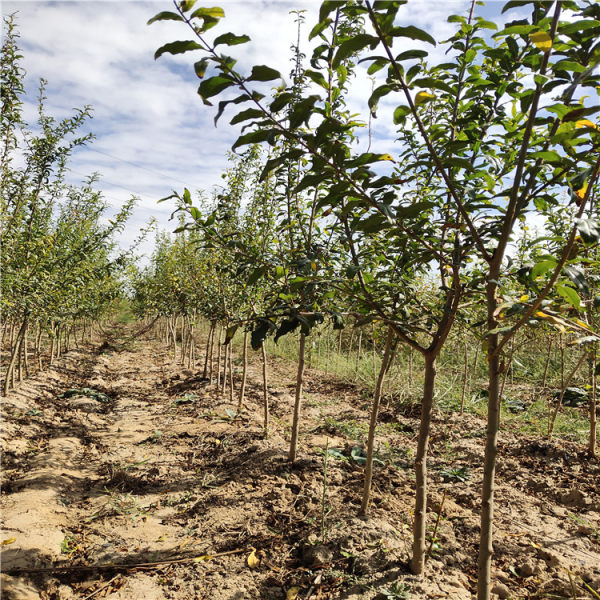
(153, 134)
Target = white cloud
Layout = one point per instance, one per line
(153, 133)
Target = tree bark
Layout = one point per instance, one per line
(420, 517)
(593, 395)
(364, 507)
(14, 355)
(486, 550)
(242, 392)
(298, 400)
(265, 390)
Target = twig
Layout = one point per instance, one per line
(103, 587)
(120, 567)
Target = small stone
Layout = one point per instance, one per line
(528, 569)
(501, 590)
(317, 555)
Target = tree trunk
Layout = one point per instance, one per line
(358, 349)
(491, 450)
(593, 394)
(364, 507)
(242, 393)
(26, 351)
(265, 390)
(219, 351)
(564, 387)
(548, 355)
(420, 517)
(230, 364)
(14, 355)
(298, 400)
(465, 379)
(208, 352)
(38, 346)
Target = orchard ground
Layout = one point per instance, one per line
(118, 457)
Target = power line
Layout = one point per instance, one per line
(138, 166)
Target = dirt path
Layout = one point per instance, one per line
(141, 462)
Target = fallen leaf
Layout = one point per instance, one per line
(253, 560)
(9, 541)
(292, 593)
(203, 558)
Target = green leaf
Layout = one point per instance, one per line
(432, 82)
(577, 277)
(259, 334)
(589, 230)
(177, 48)
(212, 86)
(230, 333)
(287, 326)
(352, 46)
(400, 114)
(200, 67)
(568, 65)
(377, 94)
(249, 113)
(230, 39)
(215, 12)
(542, 267)
(319, 28)
(256, 275)
(316, 77)
(165, 16)
(548, 156)
(570, 295)
(263, 73)
(256, 137)
(461, 163)
(414, 33)
(410, 54)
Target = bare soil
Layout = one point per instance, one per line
(152, 488)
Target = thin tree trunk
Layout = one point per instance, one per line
(364, 507)
(231, 371)
(374, 354)
(9, 378)
(265, 390)
(298, 400)
(242, 393)
(219, 351)
(410, 367)
(565, 385)
(211, 360)
(465, 379)
(491, 450)
(593, 394)
(358, 350)
(548, 355)
(38, 346)
(26, 352)
(327, 351)
(208, 349)
(420, 517)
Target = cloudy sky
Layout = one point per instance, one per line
(153, 134)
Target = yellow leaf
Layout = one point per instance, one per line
(387, 157)
(423, 97)
(585, 123)
(542, 315)
(582, 324)
(581, 193)
(9, 541)
(541, 40)
(524, 298)
(292, 593)
(253, 560)
(203, 558)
